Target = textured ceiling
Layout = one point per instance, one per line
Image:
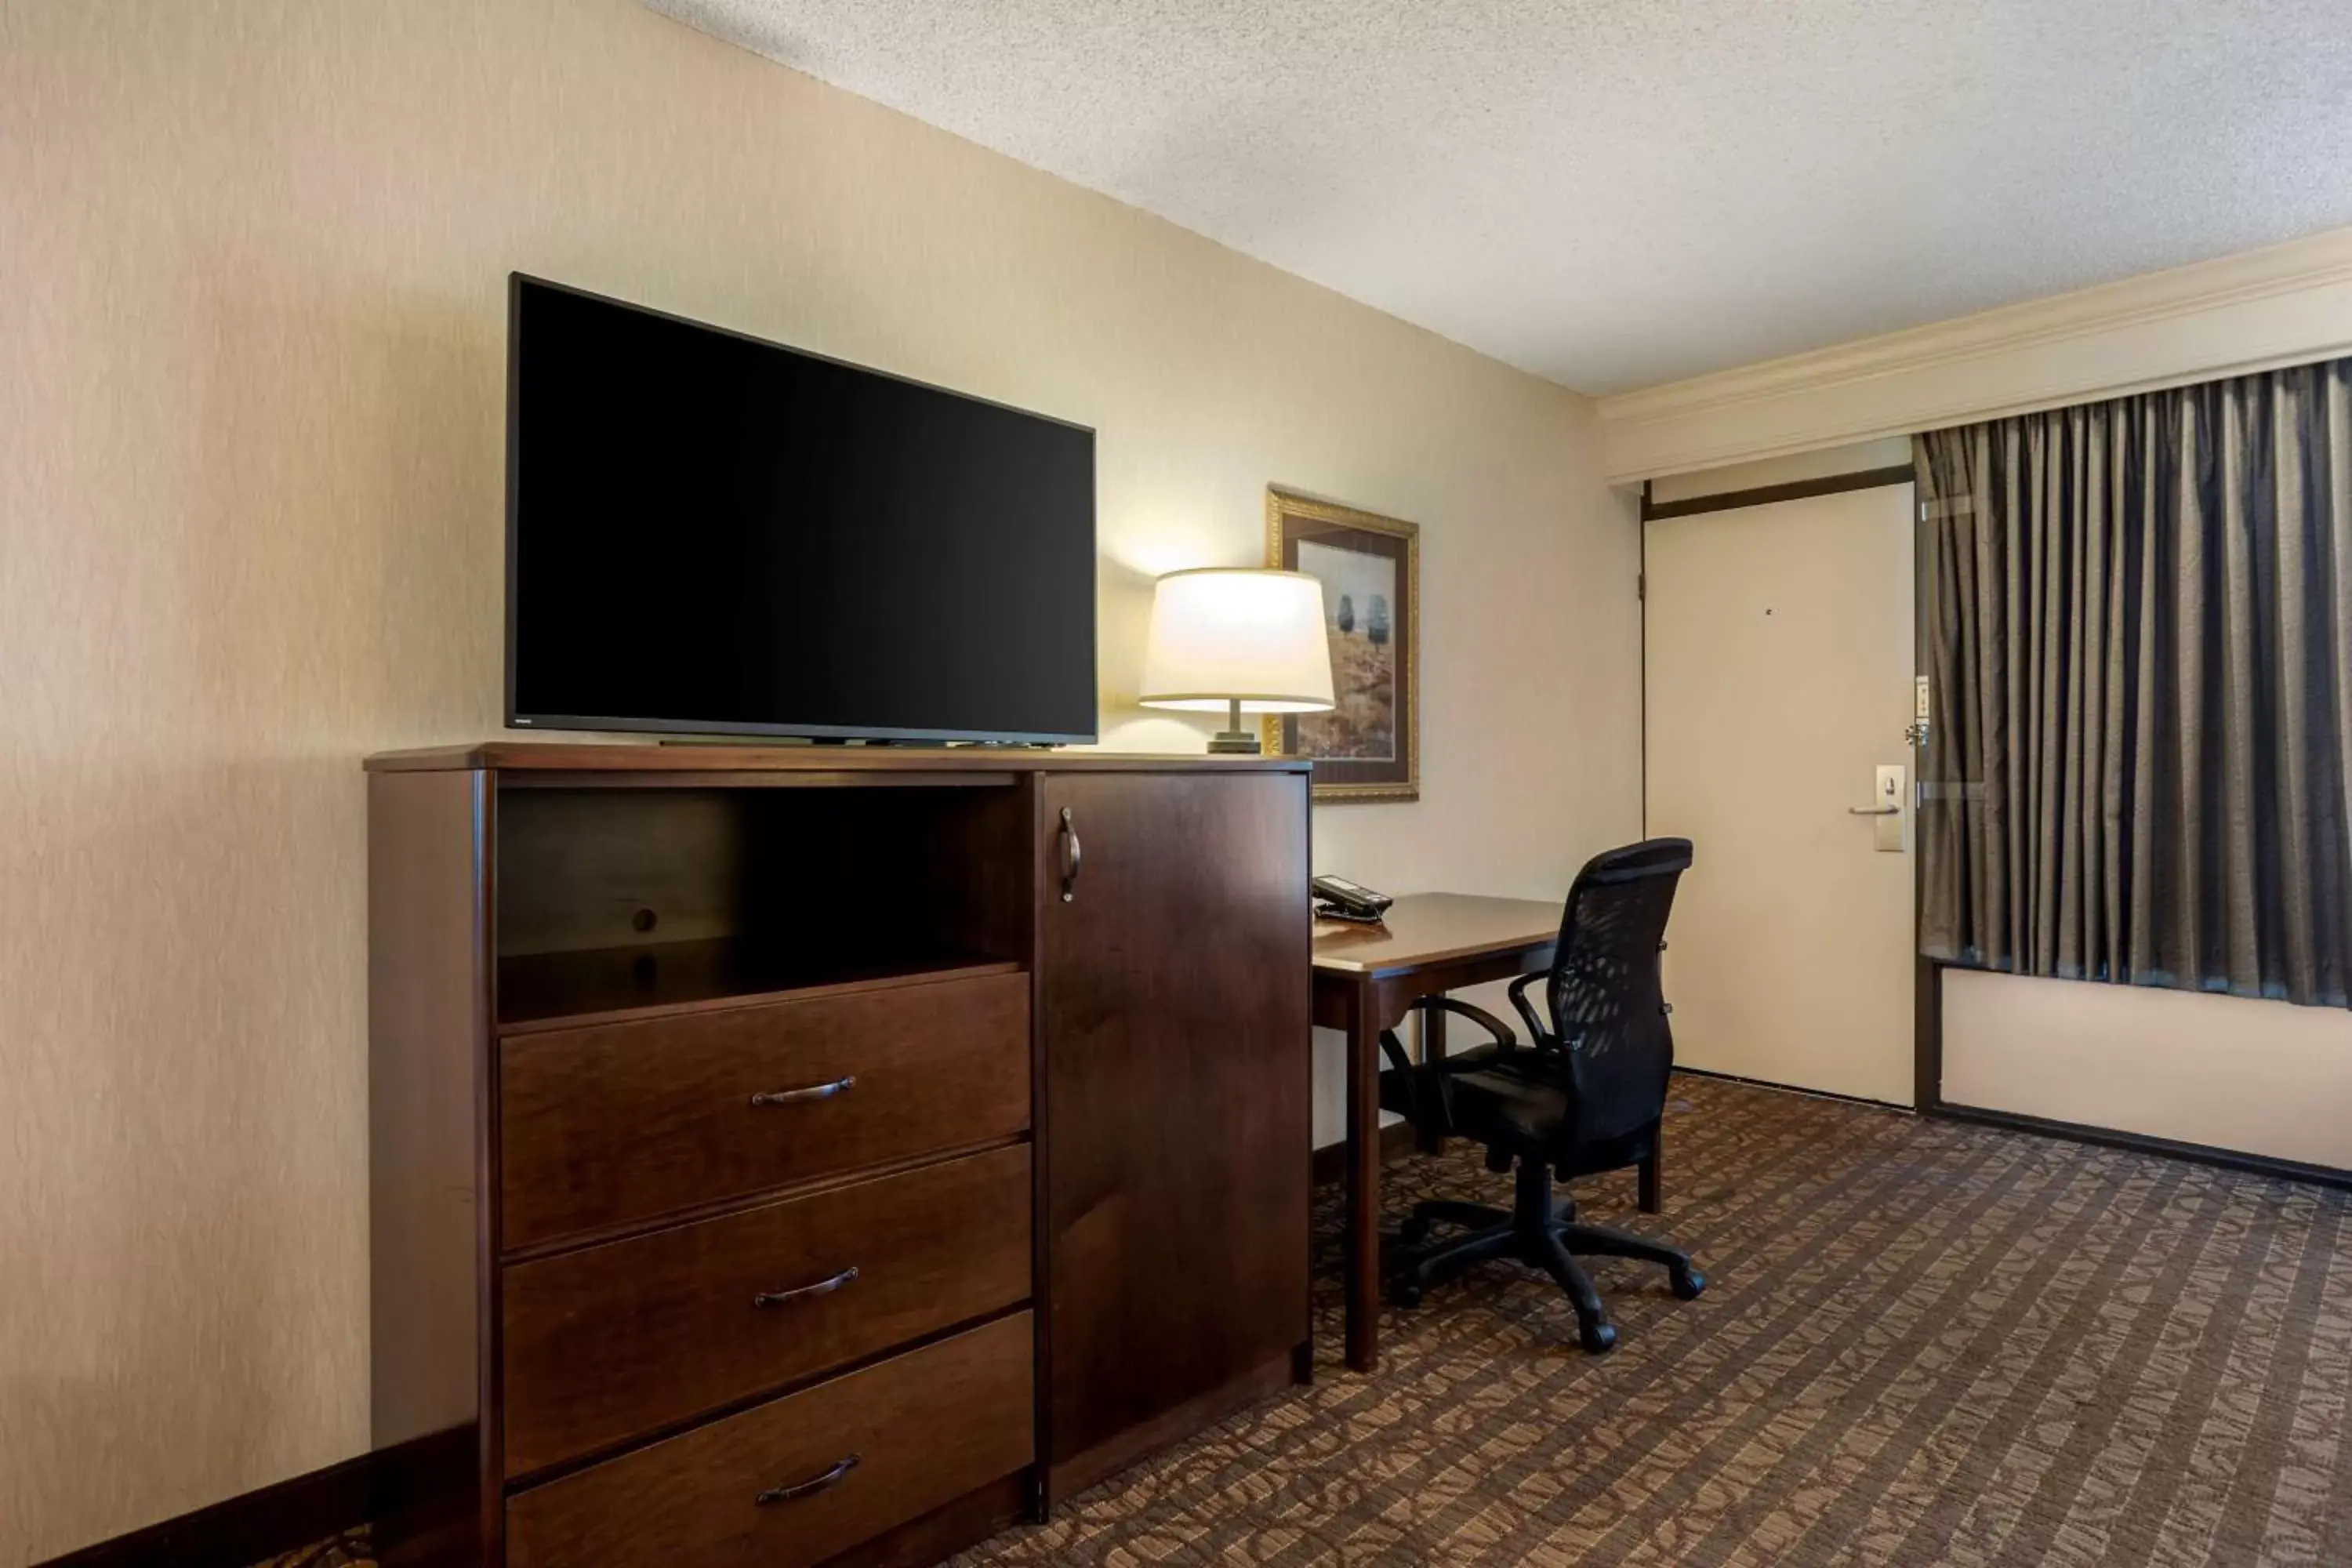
(1616, 192)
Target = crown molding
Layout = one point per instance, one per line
(2285, 304)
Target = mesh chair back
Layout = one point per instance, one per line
(1608, 1009)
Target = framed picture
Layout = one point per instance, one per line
(1368, 746)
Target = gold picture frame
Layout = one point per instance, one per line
(1378, 683)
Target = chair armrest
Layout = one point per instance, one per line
(1440, 1118)
(1393, 1048)
(1479, 1015)
(1536, 1031)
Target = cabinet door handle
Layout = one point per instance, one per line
(832, 1478)
(814, 1091)
(1072, 856)
(801, 1293)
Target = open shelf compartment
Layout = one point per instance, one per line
(614, 900)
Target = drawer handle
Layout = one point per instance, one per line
(832, 1478)
(821, 1288)
(1073, 857)
(814, 1091)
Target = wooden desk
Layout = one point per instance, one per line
(1366, 978)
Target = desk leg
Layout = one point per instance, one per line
(1363, 1183)
(1433, 1049)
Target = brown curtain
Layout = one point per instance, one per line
(2140, 673)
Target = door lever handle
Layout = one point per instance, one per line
(1888, 829)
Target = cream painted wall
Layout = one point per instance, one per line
(252, 264)
(2262, 1077)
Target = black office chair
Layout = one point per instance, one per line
(1586, 1097)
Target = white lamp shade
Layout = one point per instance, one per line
(1224, 634)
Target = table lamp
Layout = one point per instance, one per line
(1243, 640)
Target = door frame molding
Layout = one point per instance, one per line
(1927, 975)
(1765, 495)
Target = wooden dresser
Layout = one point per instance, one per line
(799, 1154)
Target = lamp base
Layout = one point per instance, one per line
(1233, 740)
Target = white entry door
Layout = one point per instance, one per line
(1779, 670)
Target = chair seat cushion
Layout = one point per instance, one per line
(1512, 1101)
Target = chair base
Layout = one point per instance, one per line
(1536, 1231)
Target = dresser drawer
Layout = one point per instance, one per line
(617, 1122)
(612, 1342)
(901, 1439)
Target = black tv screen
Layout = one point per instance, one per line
(707, 533)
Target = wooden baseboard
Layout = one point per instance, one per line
(2144, 1143)
(1791, 1088)
(291, 1514)
(1331, 1161)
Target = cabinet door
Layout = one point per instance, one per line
(1174, 996)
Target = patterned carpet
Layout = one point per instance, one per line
(1924, 1343)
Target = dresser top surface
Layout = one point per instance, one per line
(638, 757)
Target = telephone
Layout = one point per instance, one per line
(1337, 899)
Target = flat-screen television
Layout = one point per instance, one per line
(710, 534)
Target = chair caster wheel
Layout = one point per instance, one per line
(1688, 1283)
(1406, 1293)
(1600, 1339)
